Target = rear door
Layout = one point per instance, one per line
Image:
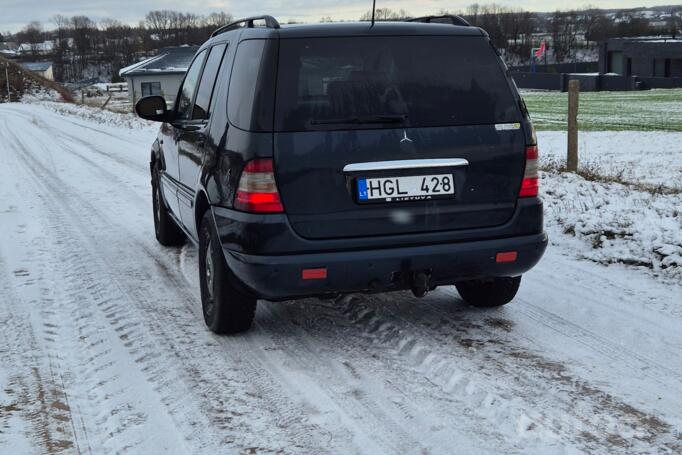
(397, 115)
(194, 135)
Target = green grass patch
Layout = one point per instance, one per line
(649, 110)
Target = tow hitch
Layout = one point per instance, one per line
(420, 285)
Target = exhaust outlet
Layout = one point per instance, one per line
(420, 285)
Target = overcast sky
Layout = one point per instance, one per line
(14, 14)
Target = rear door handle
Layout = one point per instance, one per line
(201, 140)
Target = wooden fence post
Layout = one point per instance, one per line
(106, 102)
(572, 156)
(9, 94)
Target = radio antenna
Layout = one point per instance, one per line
(374, 7)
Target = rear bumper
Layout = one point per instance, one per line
(374, 270)
(272, 234)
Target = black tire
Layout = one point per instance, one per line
(226, 308)
(167, 231)
(489, 293)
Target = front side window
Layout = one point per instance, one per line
(208, 80)
(184, 103)
(151, 88)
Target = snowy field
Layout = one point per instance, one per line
(103, 348)
(649, 157)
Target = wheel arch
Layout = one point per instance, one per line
(201, 205)
(155, 156)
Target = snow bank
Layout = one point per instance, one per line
(113, 119)
(40, 94)
(654, 158)
(612, 223)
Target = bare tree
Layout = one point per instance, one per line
(564, 31)
(61, 45)
(385, 14)
(33, 35)
(215, 20)
(632, 25)
(118, 45)
(160, 23)
(674, 22)
(84, 36)
(472, 12)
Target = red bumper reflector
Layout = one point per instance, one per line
(529, 187)
(314, 274)
(507, 256)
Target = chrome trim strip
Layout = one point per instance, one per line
(405, 164)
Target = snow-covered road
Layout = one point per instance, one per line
(103, 348)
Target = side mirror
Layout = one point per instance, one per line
(152, 108)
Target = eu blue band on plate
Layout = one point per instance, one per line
(362, 189)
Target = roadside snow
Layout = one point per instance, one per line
(40, 94)
(634, 156)
(127, 121)
(103, 348)
(614, 223)
(610, 222)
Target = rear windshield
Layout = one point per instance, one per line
(417, 81)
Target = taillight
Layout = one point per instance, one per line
(530, 183)
(257, 190)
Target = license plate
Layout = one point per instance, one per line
(409, 188)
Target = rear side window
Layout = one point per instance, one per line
(250, 99)
(184, 106)
(427, 80)
(208, 79)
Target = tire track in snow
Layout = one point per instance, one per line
(55, 115)
(582, 295)
(421, 342)
(92, 209)
(358, 402)
(92, 216)
(581, 412)
(40, 390)
(39, 397)
(106, 404)
(66, 139)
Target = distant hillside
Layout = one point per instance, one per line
(22, 81)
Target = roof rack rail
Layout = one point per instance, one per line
(270, 22)
(442, 19)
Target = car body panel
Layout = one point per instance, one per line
(272, 234)
(453, 240)
(321, 201)
(381, 270)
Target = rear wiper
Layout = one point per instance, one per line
(367, 119)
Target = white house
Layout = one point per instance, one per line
(9, 50)
(43, 69)
(159, 75)
(44, 48)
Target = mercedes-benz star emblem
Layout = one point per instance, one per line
(405, 138)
